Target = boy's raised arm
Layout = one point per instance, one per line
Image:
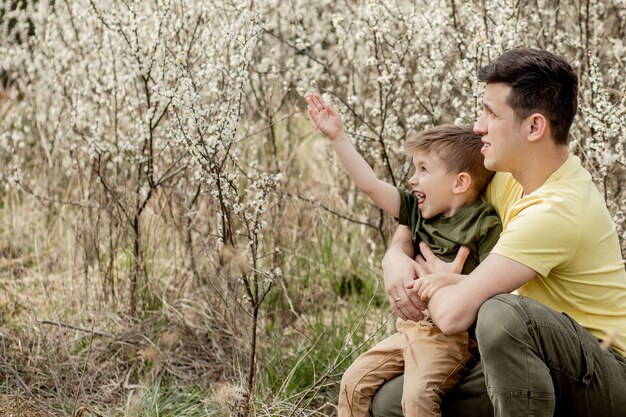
(328, 121)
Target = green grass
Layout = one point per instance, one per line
(305, 369)
(166, 400)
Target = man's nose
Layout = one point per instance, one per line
(480, 127)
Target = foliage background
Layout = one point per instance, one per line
(176, 239)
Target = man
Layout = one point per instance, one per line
(543, 350)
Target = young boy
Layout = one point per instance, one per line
(446, 212)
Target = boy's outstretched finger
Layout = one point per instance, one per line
(314, 101)
(321, 105)
(311, 104)
(313, 112)
(312, 115)
(319, 101)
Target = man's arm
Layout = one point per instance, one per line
(399, 269)
(454, 308)
(385, 195)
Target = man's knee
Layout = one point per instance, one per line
(500, 318)
(424, 398)
(388, 399)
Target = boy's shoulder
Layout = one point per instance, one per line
(478, 217)
(478, 208)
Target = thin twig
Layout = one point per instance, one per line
(73, 327)
(80, 382)
(328, 209)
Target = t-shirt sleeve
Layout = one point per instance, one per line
(501, 191)
(490, 230)
(495, 185)
(539, 237)
(408, 207)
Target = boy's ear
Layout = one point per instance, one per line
(462, 183)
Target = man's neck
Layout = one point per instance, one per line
(539, 168)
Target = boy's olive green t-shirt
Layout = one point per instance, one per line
(476, 226)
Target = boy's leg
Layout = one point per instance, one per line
(468, 399)
(433, 365)
(368, 372)
(540, 362)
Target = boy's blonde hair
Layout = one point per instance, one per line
(458, 147)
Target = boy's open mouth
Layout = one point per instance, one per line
(420, 199)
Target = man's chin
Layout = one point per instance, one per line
(490, 165)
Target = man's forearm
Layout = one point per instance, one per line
(401, 245)
(454, 308)
(445, 312)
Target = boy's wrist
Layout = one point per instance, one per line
(340, 137)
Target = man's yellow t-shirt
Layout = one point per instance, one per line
(564, 231)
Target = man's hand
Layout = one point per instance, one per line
(426, 286)
(400, 270)
(324, 116)
(428, 263)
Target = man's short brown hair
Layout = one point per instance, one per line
(458, 147)
(540, 82)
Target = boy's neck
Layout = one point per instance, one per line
(461, 200)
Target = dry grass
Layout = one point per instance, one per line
(69, 351)
(62, 367)
(16, 406)
(70, 348)
(65, 350)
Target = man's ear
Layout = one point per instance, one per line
(462, 183)
(537, 126)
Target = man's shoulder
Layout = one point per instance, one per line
(568, 188)
(502, 192)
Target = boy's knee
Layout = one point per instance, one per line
(356, 384)
(349, 381)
